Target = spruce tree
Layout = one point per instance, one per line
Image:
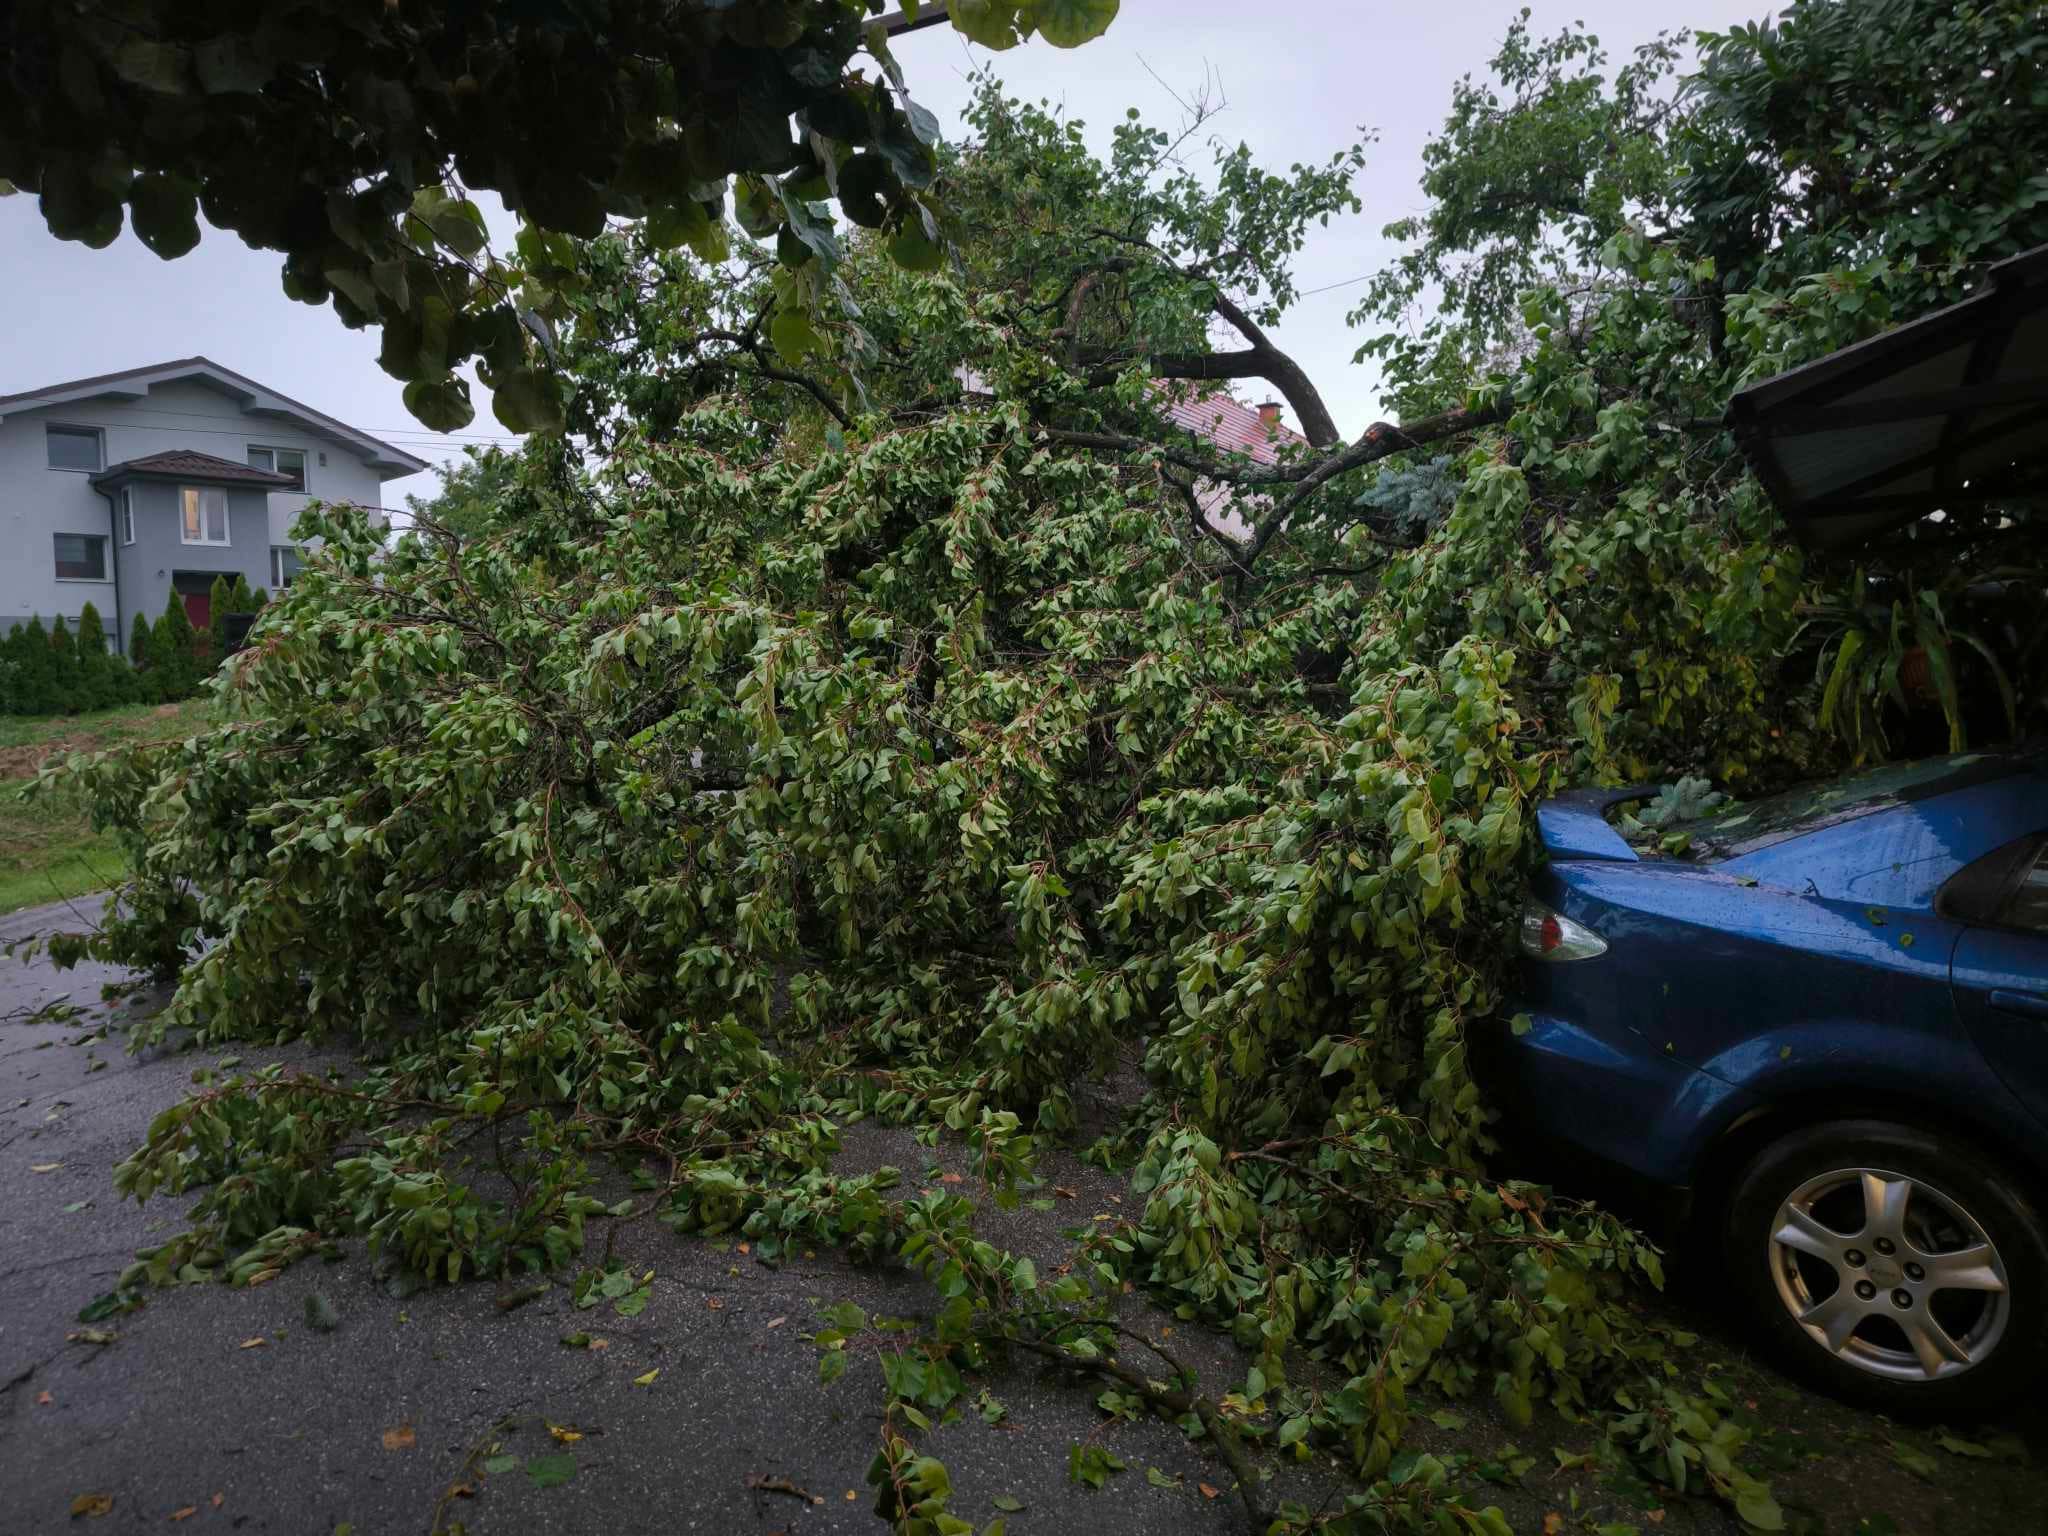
(245, 597)
(64, 674)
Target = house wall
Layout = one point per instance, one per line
(37, 501)
(150, 565)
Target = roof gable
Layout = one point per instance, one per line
(255, 400)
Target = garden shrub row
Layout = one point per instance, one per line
(56, 671)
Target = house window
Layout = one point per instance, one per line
(127, 514)
(284, 565)
(204, 514)
(81, 557)
(281, 461)
(73, 447)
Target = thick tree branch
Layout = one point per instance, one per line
(1261, 360)
(1285, 375)
(1380, 440)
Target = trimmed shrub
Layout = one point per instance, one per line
(174, 653)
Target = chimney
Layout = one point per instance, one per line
(1269, 412)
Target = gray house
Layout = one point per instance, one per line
(120, 489)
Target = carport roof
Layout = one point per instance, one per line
(1948, 411)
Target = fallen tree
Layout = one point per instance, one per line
(908, 758)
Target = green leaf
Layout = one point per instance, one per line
(1070, 23)
(499, 1464)
(634, 1304)
(991, 23)
(551, 1471)
(1757, 1509)
(793, 334)
(442, 404)
(165, 212)
(910, 249)
(321, 1313)
(1917, 1462)
(528, 400)
(1007, 1504)
(1159, 1479)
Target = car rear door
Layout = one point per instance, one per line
(2000, 966)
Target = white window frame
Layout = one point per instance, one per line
(226, 532)
(273, 451)
(279, 580)
(76, 429)
(127, 515)
(106, 558)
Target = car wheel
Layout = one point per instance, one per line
(1891, 1267)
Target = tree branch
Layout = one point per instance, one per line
(1380, 440)
(1285, 375)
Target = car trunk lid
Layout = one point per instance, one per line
(1575, 825)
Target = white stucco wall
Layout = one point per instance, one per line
(37, 501)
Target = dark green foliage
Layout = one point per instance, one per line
(138, 642)
(37, 669)
(104, 679)
(243, 599)
(336, 131)
(175, 666)
(54, 672)
(19, 691)
(64, 670)
(474, 493)
(220, 603)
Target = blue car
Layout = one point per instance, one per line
(1817, 1024)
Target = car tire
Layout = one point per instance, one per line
(1934, 1325)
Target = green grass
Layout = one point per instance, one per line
(48, 849)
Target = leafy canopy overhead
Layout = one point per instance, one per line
(348, 135)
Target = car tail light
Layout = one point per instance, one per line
(1548, 935)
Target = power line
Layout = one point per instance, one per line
(1366, 277)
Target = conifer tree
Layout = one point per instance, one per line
(64, 674)
(220, 603)
(99, 671)
(173, 652)
(142, 684)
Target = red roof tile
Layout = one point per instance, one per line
(1231, 425)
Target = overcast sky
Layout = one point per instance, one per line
(1299, 78)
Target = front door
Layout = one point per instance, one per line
(199, 609)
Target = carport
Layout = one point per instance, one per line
(1947, 413)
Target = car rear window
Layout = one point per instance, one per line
(1734, 828)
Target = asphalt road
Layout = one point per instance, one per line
(366, 1427)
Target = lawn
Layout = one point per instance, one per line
(48, 850)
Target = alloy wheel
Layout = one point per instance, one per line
(1888, 1274)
